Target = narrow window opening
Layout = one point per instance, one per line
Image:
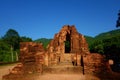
(67, 44)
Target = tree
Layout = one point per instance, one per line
(118, 21)
(12, 38)
(4, 52)
(97, 46)
(112, 47)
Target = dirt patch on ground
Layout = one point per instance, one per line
(59, 76)
(4, 69)
(66, 77)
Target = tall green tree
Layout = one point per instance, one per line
(12, 38)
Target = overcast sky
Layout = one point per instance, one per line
(44, 18)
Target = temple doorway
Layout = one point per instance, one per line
(67, 44)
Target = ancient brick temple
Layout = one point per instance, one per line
(67, 46)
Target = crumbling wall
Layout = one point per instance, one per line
(31, 56)
(31, 61)
(95, 63)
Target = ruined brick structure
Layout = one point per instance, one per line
(67, 46)
(67, 43)
(31, 56)
(31, 60)
(95, 63)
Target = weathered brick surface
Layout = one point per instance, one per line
(56, 48)
(95, 63)
(31, 56)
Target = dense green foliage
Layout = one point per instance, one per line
(108, 44)
(112, 47)
(102, 40)
(45, 41)
(9, 46)
(89, 39)
(25, 39)
(108, 34)
(12, 38)
(4, 51)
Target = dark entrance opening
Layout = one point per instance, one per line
(67, 44)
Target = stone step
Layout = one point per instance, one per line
(67, 57)
(65, 64)
(63, 69)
